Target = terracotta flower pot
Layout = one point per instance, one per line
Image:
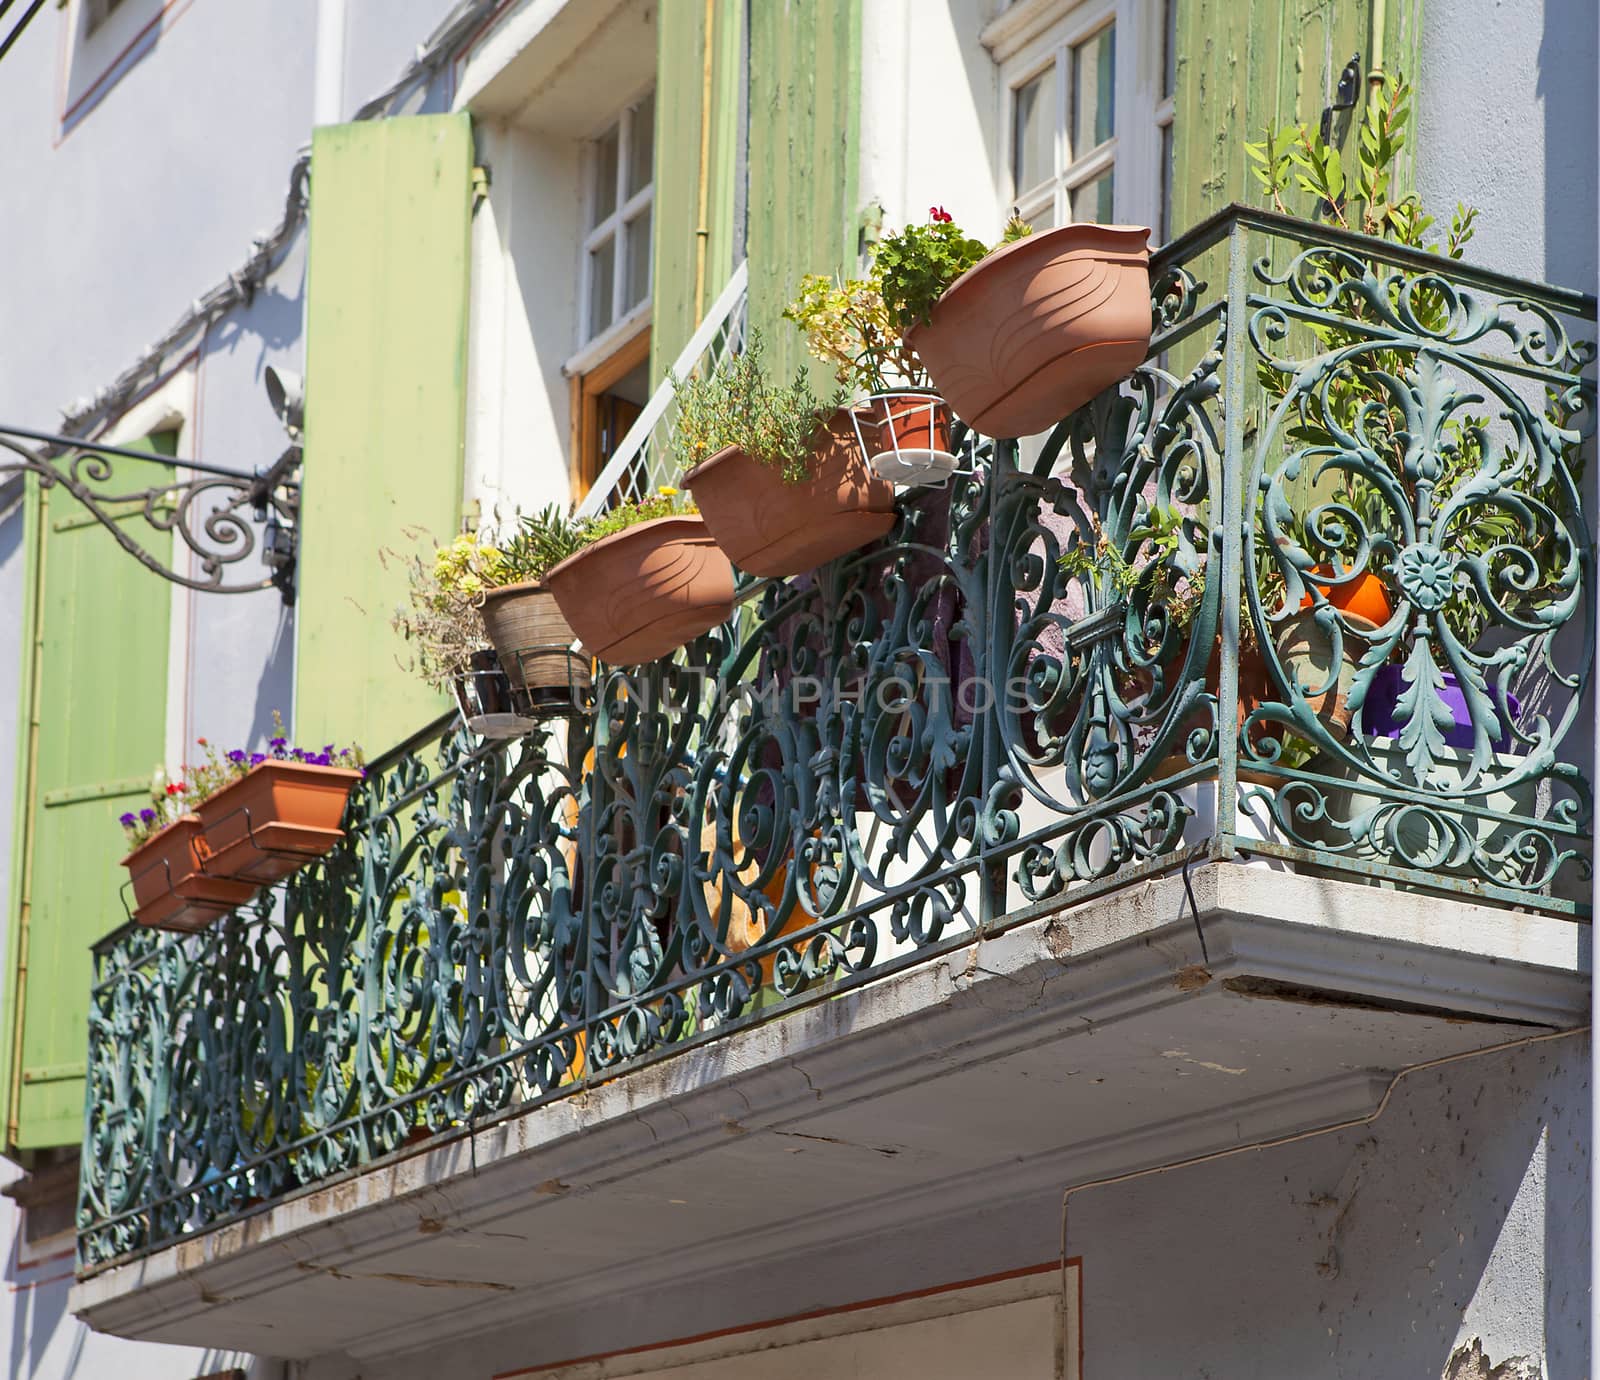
(1040, 326)
(906, 437)
(275, 819)
(645, 591)
(1364, 598)
(534, 642)
(773, 528)
(171, 891)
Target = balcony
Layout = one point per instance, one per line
(963, 813)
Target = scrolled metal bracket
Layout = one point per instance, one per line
(221, 516)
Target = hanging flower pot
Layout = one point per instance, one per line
(774, 528)
(277, 817)
(641, 593)
(1040, 326)
(172, 890)
(905, 437)
(489, 705)
(534, 642)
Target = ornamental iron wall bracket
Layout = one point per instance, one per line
(221, 517)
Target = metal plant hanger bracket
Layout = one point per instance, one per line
(222, 516)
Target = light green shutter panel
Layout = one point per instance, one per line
(386, 376)
(96, 685)
(680, 79)
(1244, 63)
(805, 122)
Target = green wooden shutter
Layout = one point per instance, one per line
(1245, 63)
(386, 376)
(805, 122)
(680, 73)
(92, 736)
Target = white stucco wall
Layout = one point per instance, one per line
(1384, 1251)
(1507, 123)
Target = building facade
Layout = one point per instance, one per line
(702, 1033)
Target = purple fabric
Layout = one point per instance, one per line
(1379, 715)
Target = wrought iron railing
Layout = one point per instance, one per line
(1010, 704)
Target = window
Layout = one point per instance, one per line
(616, 246)
(1087, 122)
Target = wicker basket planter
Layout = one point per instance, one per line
(534, 643)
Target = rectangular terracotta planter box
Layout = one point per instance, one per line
(274, 820)
(172, 890)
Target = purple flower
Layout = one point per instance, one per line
(129, 820)
(147, 816)
(257, 758)
(327, 749)
(277, 742)
(236, 756)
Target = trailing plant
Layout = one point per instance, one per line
(736, 405)
(170, 800)
(440, 621)
(913, 267)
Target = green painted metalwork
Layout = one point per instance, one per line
(953, 731)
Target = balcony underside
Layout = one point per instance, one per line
(1089, 1041)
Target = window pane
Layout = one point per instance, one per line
(605, 176)
(1092, 200)
(602, 264)
(642, 140)
(1169, 47)
(638, 233)
(1033, 157)
(1093, 91)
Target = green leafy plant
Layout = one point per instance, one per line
(846, 325)
(857, 326)
(914, 266)
(665, 502)
(736, 405)
(1361, 398)
(540, 542)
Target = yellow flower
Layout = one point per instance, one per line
(667, 491)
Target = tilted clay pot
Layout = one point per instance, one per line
(275, 819)
(645, 591)
(171, 889)
(1040, 326)
(773, 528)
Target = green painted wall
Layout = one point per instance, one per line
(680, 69)
(805, 124)
(1243, 63)
(97, 684)
(386, 375)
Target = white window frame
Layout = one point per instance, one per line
(1032, 36)
(615, 228)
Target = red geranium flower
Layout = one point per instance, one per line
(939, 216)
